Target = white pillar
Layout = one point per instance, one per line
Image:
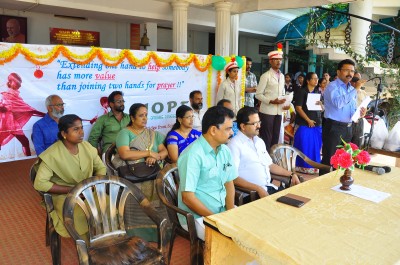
(222, 27)
(179, 26)
(360, 28)
(234, 34)
(151, 34)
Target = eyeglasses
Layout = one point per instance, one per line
(253, 123)
(189, 117)
(119, 101)
(58, 105)
(348, 70)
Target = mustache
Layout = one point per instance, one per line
(349, 76)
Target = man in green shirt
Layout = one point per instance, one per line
(107, 127)
(206, 170)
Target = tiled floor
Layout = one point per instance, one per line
(22, 223)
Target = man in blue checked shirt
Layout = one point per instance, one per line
(45, 130)
(340, 101)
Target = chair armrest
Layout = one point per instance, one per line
(252, 193)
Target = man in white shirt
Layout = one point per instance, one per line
(270, 92)
(251, 158)
(196, 102)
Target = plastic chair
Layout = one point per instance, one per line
(53, 239)
(108, 158)
(285, 156)
(103, 201)
(167, 188)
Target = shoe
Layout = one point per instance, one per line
(387, 169)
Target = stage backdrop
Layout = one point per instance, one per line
(81, 76)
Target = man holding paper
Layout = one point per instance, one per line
(340, 101)
(308, 130)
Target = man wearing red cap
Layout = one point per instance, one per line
(270, 91)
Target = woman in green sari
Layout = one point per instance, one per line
(63, 165)
(136, 143)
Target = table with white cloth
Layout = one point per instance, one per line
(332, 228)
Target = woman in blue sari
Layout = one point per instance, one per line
(182, 133)
(308, 130)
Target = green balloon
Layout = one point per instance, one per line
(218, 62)
(239, 61)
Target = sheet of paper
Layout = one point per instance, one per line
(288, 97)
(363, 104)
(312, 101)
(364, 193)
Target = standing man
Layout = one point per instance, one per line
(269, 91)
(14, 32)
(196, 102)
(340, 100)
(107, 127)
(358, 127)
(251, 84)
(206, 170)
(45, 130)
(251, 159)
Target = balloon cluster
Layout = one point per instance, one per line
(219, 62)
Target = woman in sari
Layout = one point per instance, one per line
(63, 165)
(308, 130)
(136, 143)
(182, 133)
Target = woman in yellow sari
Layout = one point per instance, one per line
(137, 143)
(63, 165)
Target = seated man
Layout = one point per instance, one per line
(206, 170)
(108, 125)
(251, 157)
(228, 104)
(196, 102)
(44, 131)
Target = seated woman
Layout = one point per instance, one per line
(308, 130)
(63, 165)
(182, 133)
(136, 143)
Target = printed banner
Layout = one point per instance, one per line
(81, 76)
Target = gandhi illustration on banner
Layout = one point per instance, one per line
(14, 114)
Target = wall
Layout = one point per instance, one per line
(112, 34)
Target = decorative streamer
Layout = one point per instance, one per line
(108, 60)
(209, 88)
(243, 85)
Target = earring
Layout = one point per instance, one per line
(65, 137)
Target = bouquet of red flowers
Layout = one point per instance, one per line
(348, 155)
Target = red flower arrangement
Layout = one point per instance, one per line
(348, 155)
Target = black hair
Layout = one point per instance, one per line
(222, 101)
(194, 92)
(66, 122)
(248, 59)
(244, 113)
(180, 113)
(346, 61)
(133, 110)
(112, 96)
(289, 75)
(307, 78)
(320, 81)
(215, 116)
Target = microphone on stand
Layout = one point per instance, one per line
(376, 169)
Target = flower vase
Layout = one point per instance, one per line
(346, 180)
